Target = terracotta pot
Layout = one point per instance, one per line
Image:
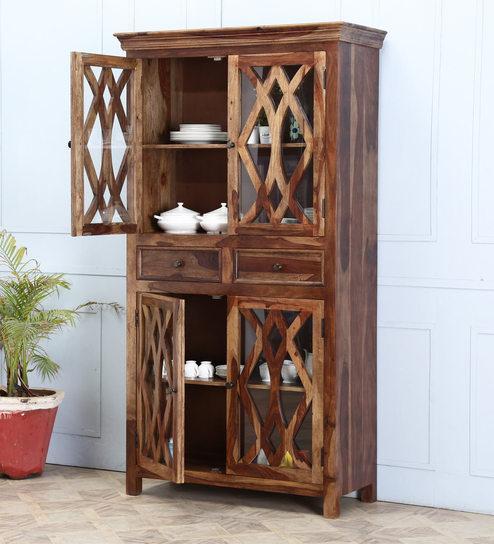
(26, 424)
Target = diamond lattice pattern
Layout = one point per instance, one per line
(275, 430)
(107, 184)
(276, 181)
(156, 377)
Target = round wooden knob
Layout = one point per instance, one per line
(277, 267)
(178, 263)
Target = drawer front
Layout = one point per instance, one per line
(258, 266)
(178, 264)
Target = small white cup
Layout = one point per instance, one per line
(264, 372)
(265, 135)
(206, 370)
(191, 369)
(289, 371)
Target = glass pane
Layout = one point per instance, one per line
(106, 134)
(279, 192)
(275, 379)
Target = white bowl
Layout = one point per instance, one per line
(214, 225)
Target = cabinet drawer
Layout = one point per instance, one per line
(259, 266)
(178, 264)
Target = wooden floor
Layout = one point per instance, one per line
(79, 506)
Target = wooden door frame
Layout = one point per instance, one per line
(177, 308)
(81, 162)
(234, 355)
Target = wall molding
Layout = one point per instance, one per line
(429, 328)
(89, 433)
(430, 236)
(474, 469)
(477, 237)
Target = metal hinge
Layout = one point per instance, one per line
(322, 457)
(136, 318)
(324, 208)
(323, 327)
(324, 79)
(136, 440)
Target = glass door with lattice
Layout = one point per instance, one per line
(276, 131)
(160, 386)
(105, 144)
(275, 366)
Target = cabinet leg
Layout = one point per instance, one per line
(368, 493)
(331, 501)
(133, 483)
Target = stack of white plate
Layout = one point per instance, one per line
(198, 134)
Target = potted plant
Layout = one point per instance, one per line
(27, 414)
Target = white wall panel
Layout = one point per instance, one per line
(117, 16)
(260, 12)
(482, 403)
(482, 165)
(90, 426)
(160, 15)
(202, 14)
(407, 130)
(404, 396)
(35, 41)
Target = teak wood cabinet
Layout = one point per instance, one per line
(293, 279)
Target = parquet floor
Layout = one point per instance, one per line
(80, 506)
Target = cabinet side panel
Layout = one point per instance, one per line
(356, 265)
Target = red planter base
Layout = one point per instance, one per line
(26, 425)
(24, 441)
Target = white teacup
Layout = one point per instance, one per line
(289, 371)
(264, 372)
(191, 369)
(206, 370)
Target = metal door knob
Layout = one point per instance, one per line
(277, 267)
(178, 263)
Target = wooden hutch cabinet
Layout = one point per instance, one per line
(294, 278)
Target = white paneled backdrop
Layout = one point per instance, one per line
(436, 223)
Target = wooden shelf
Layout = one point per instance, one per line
(184, 146)
(283, 387)
(266, 146)
(215, 382)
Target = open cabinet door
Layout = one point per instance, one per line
(105, 144)
(160, 386)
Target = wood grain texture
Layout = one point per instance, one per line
(243, 453)
(276, 192)
(108, 210)
(228, 40)
(160, 386)
(133, 480)
(178, 265)
(356, 267)
(263, 266)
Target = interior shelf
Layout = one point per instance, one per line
(282, 387)
(265, 146)
(215, 382)
(184, 146)
(218, 382)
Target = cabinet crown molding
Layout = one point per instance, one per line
(186, 42)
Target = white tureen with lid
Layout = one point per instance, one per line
(215, 222)
(180, 220)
